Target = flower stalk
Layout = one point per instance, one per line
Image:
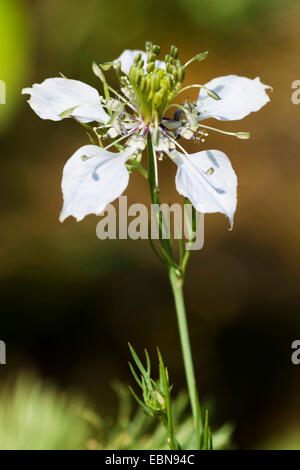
(177, 289)
(176, 276)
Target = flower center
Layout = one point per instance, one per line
(154, 88)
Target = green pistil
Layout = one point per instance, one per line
(155, 88)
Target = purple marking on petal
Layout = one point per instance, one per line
(145, 131)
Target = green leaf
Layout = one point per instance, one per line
(165, 381)
(139, 401)
(135, 375)
(140, 366)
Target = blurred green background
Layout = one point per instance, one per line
(69, 302)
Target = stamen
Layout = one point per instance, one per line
(122, 138)
(174, 141)
(210, 93)
(197, 58)
(239, 135)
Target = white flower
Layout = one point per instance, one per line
(126, 60)
(94, 176)
(208, 180)
(58, 98)
(239, 97)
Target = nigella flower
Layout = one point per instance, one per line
(94, 176)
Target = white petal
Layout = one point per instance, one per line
(55, 96)
(239, 97)
(208, 180)
(92, 178)
(127, 59)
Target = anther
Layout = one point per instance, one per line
(243, 135)
(137, 58)
(151, 57)
(212, 94)
(169, 68)
(155, 83)
(156, 49)
(150, 67)
(181, 73)
(148, 46)
(174, 52)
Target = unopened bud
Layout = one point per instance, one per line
(159, 398)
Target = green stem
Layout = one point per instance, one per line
(177, 288)
(176, 276)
